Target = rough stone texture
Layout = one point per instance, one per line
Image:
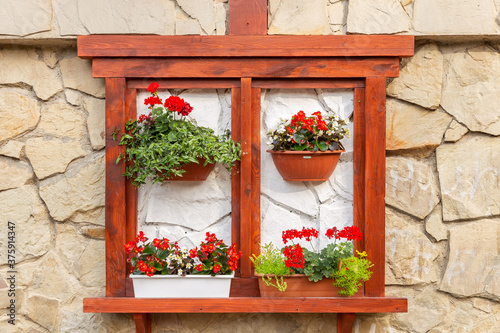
(44, 311)
(13, 173)
(420, 79)
(93, 232)
(434, 225)
(187, 27)
(12, 149)
(455, 132)
(469, 173)
(21, 18)
(411, 186)
(474, 261)
(220, 18)
(114, 17)
(95, 122)
(18, 113)
(337, 12)
(441, 17)
(61, 120)
(77, 74)
(201, 10)
(410, 257)
(300, 18)
(470, 89)
(95, 216)
(23, 207)
(377, 17)
(83, 182)
(41, 153)
(21, 65)
(412, 127)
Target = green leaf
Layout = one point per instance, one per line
(322, 146)
(172, 137)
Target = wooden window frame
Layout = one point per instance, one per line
(247, 64)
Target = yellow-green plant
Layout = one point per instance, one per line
(271, 264)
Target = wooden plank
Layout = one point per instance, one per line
(255, 181)
(375, 183)
(308, 83)
(184, 83)
(142, 322)
(248, 17)
(245, 46)
(115, 190)
(345, 322)
(130, 190)
(246, 177)
(235, 174)
(246, 305)
(240, 67)
(245, 287)
(359, 165)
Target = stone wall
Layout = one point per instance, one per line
(443, 163)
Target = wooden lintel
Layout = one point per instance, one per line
(241, 67)
(245, 46)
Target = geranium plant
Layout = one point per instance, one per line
(335, 261)
(309, 133)
(162, 257)
(160, 143)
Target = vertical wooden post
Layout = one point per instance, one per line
(142, 322)
(375, 183)
(115, 190)
(345, 322)
(359, 165)
(255, 194)
(248, 17)
(246, 177)
(235, 174)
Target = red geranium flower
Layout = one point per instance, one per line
(153, 87)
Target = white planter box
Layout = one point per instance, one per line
(174, 286)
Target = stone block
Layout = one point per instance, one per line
(77, 74)
(21, 18)
(300, 18)
(19, 113)
(201, 10)
(469, 172)
(377, 17)
(96, 109)
(470, 88)
(44, 311)
(412, 127)
(420, 78)
(434, 225)
(411, 186)
(455, 132)
(12, 149)
(14, 173)
(187, 27)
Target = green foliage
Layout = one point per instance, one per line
(159, 148)
(351, 275)
(324, 264)
(271, 261)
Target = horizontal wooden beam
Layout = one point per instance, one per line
(308, 83)
(245, 46)
(241, 67)
(184, 83)
(246, 305)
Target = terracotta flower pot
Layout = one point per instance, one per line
(305, 165)
(298, 285)
(194, 171)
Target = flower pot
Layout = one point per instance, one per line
(298, 285)
(194, 171)
(174, 286)
(305, 165)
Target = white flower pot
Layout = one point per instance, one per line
(174, 286)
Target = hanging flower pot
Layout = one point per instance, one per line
(307, 148)
(305, 165)
(194, 171)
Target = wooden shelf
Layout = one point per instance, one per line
(246, 305)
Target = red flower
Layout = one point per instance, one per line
(177, 104)
(217, 268)
(156, 242)
(152, 101)
(153, 87)
(193, 253)
(140, 237)
(199, 268)
(350, 233)
(210, 237)
(294, 256)
(129, 247)
(331, 233)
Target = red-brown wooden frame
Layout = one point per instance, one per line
(247, 64)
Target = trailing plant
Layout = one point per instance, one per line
(335, 261)
(313, 133)
(271, 264)
(162, 257)
(159, 144)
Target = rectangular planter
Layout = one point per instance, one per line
(298, 285)
(189, 286)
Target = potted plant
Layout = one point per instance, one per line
(298, 272)
(162, 269)
(167, 145)
(307, 148)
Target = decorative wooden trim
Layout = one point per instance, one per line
(112, 46)
(374, 182)
(240, 67)
(184, 83)
(308, 83)
(246, 305)
(248, 17)
(115, 189)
